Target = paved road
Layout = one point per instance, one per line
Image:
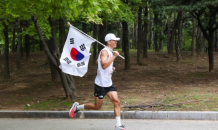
(104, 124)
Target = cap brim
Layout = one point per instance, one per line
(117, 39)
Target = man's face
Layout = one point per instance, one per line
(113, 43)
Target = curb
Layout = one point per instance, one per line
(161, 115)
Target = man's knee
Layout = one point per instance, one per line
(116, 102)
(97, 107)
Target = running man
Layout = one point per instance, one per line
(103, 82)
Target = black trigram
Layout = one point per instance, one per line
(82, 47)
(80, 64)
(67, 60)
(71, 40)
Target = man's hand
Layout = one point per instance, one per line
(115, 53)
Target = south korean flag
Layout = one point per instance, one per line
(75, 56)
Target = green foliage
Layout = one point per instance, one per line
(70, 9)
(44, 26)
(157, 28)
(185, 5)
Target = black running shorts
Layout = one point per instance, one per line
(100, 92)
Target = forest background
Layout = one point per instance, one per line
(170, 50)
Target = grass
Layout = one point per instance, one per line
(199, 103)
(191, 99)
(131, 100)
(200, 75)
(54, 104)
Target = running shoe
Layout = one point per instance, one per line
(74, 109)
(120, 127)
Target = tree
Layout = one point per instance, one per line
(150, 30)
(215, 42)
(94, 45)
(172, 37)
(140, 40)
(156, 30)
(27, 42)
(18, 45)
(178, 45)
(126, 45)
(209, 29)
(199, 42)
(193, 37)
(6, 39)
(6, 51)
(52, 45)
(13, 41)
(62, 35)
(145, 33)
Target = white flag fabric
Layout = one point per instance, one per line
(75, 55)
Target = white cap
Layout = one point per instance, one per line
(111, 36)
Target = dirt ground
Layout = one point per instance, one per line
(161, 83)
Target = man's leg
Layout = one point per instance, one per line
(94, 106)
(115, 100)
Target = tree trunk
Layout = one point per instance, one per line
(33, 42)
(156, 33)
(53, 48)
(62, 35)
(40, 45)
(170, 50)
(178, 45)
(160, 34)
(84, 28)
(21, 47)
(111, 28)
(210, 51)
(126, 45)
(199, 40)
(145, 44)
(13, 40)
(135, 36)
(27, 43)
(150, 31)
(168, 33)
(193, 37)
(6, 52)
(119, 29)
(215, 44)
(139, 46)
(95, 32)
(102, 34)
(66, 80)
(18, 46)
(22, 37)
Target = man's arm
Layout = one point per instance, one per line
(104, 56)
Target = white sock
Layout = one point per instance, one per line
(80, 107)
(118, 122)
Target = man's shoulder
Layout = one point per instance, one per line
(104, 52)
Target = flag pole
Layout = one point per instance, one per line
(68, 23)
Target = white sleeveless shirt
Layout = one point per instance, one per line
(103, 77)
